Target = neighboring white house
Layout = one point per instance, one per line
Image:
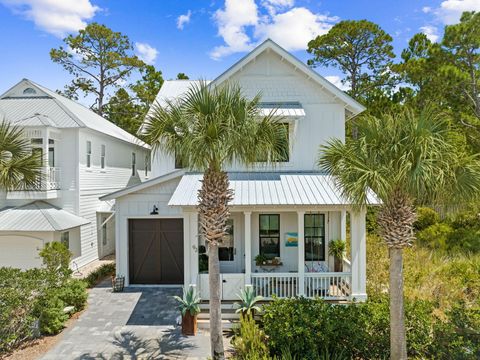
(85, 157)
(289, 211)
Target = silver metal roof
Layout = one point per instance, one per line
(287, 109)
(38, 216)
(269, 188)
(44, 107)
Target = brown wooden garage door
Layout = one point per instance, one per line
(156, 251)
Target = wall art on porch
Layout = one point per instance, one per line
(291, 239)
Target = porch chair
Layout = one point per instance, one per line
(314, 288)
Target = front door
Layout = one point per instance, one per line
(229, 250)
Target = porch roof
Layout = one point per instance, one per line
(39, 216)
(269, 188)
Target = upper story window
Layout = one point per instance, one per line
(89, 154)
(29, 91)
(102, 157)
(269, 235)
(147, 164)
(134, 164)
(178, 162)
(314, 237)
(51, 152)
(284, 155)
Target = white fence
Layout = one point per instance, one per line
(328, 285)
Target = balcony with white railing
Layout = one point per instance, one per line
(46, 187)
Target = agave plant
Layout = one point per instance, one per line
(248, 301)
(190, 301)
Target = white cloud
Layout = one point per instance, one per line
(242, 24)
(451, 10)
(431, 32)
(184, 19)
(337, 81)
(57, 17)
(146, 52)
(426, 9)
(295, 28)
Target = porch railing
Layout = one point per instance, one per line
(49, 180)
(327, 285)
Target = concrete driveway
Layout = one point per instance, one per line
(136, 324)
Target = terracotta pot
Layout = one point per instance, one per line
(338, 265)
(189, 324)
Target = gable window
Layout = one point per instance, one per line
(284, 152)
(89, 154)
(102, 157)
(314, 237)
(134, 164)
(65, 239)
(269, 235)
(29, 91)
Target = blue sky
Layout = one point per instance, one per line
(200, 38)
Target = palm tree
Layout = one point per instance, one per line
(20, 168)
(208, 129)
(407, 159)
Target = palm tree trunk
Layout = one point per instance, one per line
(213, 197)
(216, 335)
(398, 342)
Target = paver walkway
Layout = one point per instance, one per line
(136, 324)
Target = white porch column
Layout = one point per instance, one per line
(190, 246)
(301, 253)
(358, 234)
(248, 247)
(343, 225)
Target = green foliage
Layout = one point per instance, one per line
(56, 258)
(371, 220)
(99, 274)
(248, 301)
(250, 342)
(435, 236)
(74, 293)
(337, 248)
(189, 302)
(260, 259)
(49, 310)
(20, 168)
(425, 218)
(182, 76)
(98, 59)
(360, 49)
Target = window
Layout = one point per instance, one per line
(29, 91)
(284, 155)
(134, 164)
(65, 239)
(104, 230)
(51, 152)
(270, 235)
(102, 157)
(147, 164)
(89, 154)
(226, 250)
(178, 162)
(314, 237)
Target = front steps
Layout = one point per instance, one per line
(230, 318)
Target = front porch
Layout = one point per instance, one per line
(296, 248)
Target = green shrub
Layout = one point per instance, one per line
(467, 219)
(464, 240)
(99, 274)
(250, 342)
(74, 293)
(371, 219)
(435, 236)
(425, 217)
(56, 259)
(50, 313)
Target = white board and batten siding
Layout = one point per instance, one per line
(96, 181)
(139, 205)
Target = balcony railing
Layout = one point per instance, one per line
(50, 180)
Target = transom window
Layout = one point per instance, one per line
(314, 237)
(269, 235)
(89, 154)
(102, 157)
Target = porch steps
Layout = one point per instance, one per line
(229, 316)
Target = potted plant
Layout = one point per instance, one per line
(248, 301)
(189, 307)
(260, 259)
(337, 248)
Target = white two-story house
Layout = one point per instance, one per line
(85, 156)
(282, 216)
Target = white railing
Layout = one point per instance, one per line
(52, 180)
(328, 285)
(279, 284)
